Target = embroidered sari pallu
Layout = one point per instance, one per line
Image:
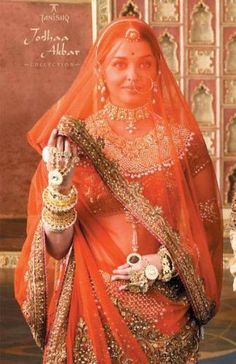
(165, 181)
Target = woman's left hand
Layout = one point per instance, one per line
(123, 272)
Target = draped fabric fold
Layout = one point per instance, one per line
(165, 180)
(130, 196)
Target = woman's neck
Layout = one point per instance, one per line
(128, 122)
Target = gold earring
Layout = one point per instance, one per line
(155, 90)
(102, 89)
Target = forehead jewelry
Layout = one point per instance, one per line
(132, 35)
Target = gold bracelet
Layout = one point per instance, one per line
(168, 268)
(138, 282)
(58, 222)
(58, 202)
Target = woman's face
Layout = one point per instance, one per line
(128, 72)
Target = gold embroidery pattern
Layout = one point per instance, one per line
(116, 353)
(198, 157)
(130, 195)
(208, 210)
(83, 349)
(34, 307)
(56, 346)
(161, 348)
(139, 156)
(174, 290)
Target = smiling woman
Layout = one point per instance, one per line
(122, 262)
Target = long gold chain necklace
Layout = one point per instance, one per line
(134, 256)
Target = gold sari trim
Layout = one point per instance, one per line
(173, 289)
(56, 346)
(130, 195)
(161, 348)
(83, 348)
(34, 306)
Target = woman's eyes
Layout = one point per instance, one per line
(145, 65)
(119, 65)
(122, 65)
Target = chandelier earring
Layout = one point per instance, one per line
(154, 90)
(102, 90)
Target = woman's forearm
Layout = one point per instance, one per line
(58, 243)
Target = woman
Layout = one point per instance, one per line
(122, 262)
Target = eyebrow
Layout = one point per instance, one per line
(122, 57)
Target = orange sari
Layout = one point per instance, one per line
(75, 312)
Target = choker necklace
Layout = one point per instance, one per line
(130, 116)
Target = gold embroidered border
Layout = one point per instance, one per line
(159, 348)
(34, 307)
(83, 348)
(130, 195)
(56, 346)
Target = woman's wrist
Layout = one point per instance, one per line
(65, 190)
(154, 259)
(167, 265)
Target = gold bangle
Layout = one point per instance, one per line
(58, 202)
(58, 222)
(168, 268)
(138, 282)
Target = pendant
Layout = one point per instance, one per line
(55, 178)
(151, 272)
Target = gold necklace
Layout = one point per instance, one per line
(143, 155)
(130, 116)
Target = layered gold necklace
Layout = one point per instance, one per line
(130, 116)
(142, 155)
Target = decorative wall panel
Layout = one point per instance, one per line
(202, 101)
(229, 181)
(210, 140)
(230, 92)
(201, 61)
(229, 132)
(229, 37)
(165, 11)
(169, 41)
(201, 30)
(42, 55)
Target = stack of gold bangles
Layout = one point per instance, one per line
(59, 211)
(168, 269)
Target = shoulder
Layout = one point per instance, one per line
(95, 122)
(191, 147)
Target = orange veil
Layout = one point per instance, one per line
(179, 206)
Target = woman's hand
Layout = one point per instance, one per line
(124, 271)
(63, 145)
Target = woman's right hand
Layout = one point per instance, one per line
(62, 144)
